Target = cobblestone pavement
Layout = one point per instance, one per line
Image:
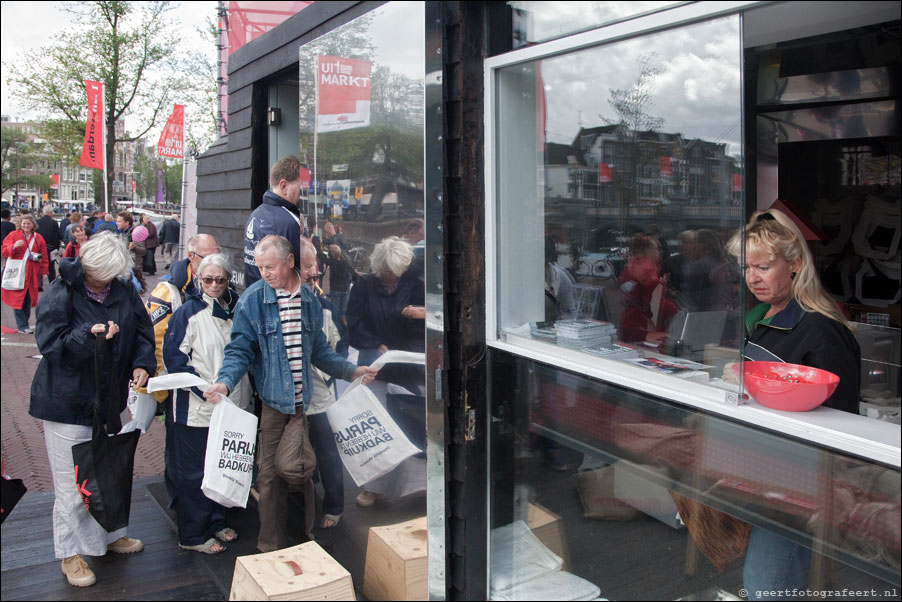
(22, 438)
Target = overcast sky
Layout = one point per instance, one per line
(32, 25)
(697, 91)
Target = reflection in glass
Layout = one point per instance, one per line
(598, 473)
(364, 152)
(538, 21)
(635, 148)
(361, 145)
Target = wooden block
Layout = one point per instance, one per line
(303, 572)
(396, 562)
(549, 528)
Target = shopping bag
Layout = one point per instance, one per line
(143, 408)
(11, 491)
(369, 441)
(104, 465)
(14, 275)
(229, 461)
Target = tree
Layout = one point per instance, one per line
(20, 158)
(128, 47)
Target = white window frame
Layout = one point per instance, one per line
(858, 435)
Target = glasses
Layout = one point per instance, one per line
(211, 280)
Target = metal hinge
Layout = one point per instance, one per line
(471, 425)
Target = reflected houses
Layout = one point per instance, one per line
(658, 177)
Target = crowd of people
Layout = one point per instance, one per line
(271, 349)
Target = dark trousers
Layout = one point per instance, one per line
(198, 516)
(328, 463)
(23, 316)
(169, 467)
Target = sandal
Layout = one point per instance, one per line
(211, 546)
(333, 518)
(226, 535)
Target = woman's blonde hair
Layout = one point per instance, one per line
(772, 232)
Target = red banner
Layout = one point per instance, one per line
(343, 93)
(92, 149)
(737, 182)
(605, 172)
(55, 181)
(666, 166)
(172, 138)
(305, 178)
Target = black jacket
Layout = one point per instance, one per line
(811, 339)
(49, 228)
(170, 232)
(374, 316)
(64, 385)
(274, 216)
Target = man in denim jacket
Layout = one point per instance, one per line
(271, 317)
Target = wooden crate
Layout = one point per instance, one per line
(303, 572)
(396, 562)
(549, 528)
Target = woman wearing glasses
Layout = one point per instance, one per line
(195, 343)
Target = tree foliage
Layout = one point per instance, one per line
(131, 49)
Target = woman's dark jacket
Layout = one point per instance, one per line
(374, 316)
(811, 339)
(64, 385)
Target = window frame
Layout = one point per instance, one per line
(864, 437)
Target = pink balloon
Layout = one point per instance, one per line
(140, 234)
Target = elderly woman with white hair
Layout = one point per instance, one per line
(90, 298)
(195, 343)
(386, 311)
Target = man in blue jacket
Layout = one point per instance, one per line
(278, 328)
(279, 214)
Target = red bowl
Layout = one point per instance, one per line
(789, 387)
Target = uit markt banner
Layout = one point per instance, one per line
(172, 138)
(92, 149)
(343, 93)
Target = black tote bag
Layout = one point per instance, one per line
(104, 466)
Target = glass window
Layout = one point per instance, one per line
(538, 21)
(609, 492)
(618, 184)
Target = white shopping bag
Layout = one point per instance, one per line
(369, 441)
(229, 463)
(143, 408)
(14, 275)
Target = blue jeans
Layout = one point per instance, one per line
(328, 462)
(774, 566)
(23, 315)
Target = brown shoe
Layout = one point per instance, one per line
(125, 545)
(77, 571)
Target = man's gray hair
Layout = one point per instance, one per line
(307, 247)
(105, 257)
(276, 243)
(48, 209)
(391, 255)
(194, 241)
(216, 260)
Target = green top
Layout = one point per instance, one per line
(755, 316)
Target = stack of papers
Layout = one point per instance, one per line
(578, 334)
(613, 352)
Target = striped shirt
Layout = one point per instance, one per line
(292, 328)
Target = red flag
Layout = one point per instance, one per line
(305, 178)
(666, 166)
(605, 172)
(55, 181)
(737, 182)
(92, 149)
(172, 138)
